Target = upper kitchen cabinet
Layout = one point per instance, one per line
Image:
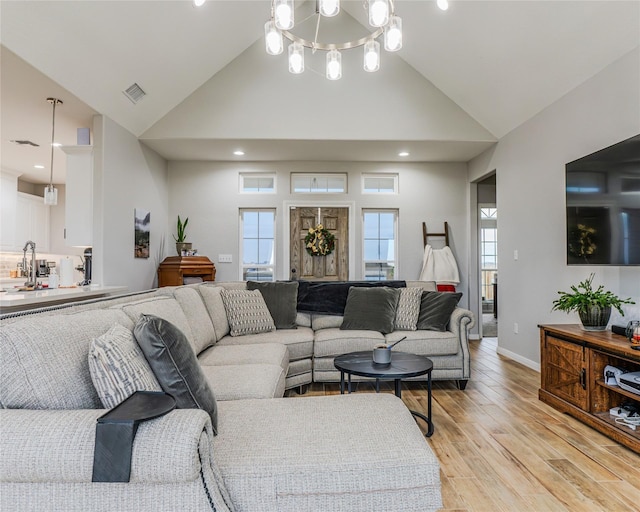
(79, 196)
(31, 222)
(8, 209)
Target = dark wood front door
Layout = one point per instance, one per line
(332, 267)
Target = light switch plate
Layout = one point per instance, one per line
(225, 258)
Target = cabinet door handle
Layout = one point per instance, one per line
(583, 378)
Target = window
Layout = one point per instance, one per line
(257, 232)
(257, 183)
(379, 247)
(488, 251)
(379, 183)
(307, 183)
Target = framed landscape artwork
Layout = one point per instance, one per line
(142, 227)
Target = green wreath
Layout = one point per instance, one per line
(319, 241)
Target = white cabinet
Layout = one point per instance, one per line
(8, 207)
(32, 222)
(79, 196)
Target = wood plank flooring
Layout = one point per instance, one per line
(501, 449)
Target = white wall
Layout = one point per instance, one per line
(530, 165)
(127, 175)
(208, 193)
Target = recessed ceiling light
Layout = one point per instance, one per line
(238, 152)
(38, 166)
(403, 153)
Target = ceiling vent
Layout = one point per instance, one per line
(25, 143)
(134, 93)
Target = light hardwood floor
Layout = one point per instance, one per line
(500, 448)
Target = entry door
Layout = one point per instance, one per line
(332, 267)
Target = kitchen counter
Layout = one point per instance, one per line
(12, 301)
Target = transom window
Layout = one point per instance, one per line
(379, 183)
(313, 183)
(257, 183)
(257, 232)
(379, 244)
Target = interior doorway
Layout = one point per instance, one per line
(488, 255)
(333, 266)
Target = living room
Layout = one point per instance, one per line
(596, 108)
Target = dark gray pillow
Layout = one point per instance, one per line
(282, 300)
(371, 309)
(436, 309)
(174, 364)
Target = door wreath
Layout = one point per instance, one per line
(319, 241)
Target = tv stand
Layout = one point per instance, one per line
(572, 363)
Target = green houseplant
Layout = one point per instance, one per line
(181, 231)
(593, 306)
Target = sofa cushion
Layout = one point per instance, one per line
(243, 381)
(334, 342)
(425, 342)
(162, 306)
(194, 309)
(299, 342)
(118, 367)
(45, 359)
(372, 309)
(212, 298)
(291, 458)
(175, 365)
(263, 353)
(436, 309)
(408, 309)
(247, 312)
(281, 298)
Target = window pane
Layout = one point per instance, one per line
(379, 271)
(249, 251)
(265, 229)
(316, 183)
(379, 184)
(386, 225)
(250, 224)
(371, 250)
(371, 225)
(258, 274)
(265, 252)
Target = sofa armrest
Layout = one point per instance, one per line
(461, 321)
(58, 446)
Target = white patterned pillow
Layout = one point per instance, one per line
(247, 312)
(408, 309)
(118, 367)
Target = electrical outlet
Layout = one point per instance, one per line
(515, 327)
(225, 258)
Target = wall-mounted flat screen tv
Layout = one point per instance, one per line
(603, 206)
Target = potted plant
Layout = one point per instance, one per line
(593, 306)
(181, 227)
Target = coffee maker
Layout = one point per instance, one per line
(86, 267)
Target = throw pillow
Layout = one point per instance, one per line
(371, 309)
(281, 298)
(175, 365)
(436, 309)
(247, 312)
(118, 367)
(408, 309)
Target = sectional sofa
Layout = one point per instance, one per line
(357, 452)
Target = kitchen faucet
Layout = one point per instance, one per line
(31, 275)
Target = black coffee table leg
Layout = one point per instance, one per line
(427, 418)
(342, 383)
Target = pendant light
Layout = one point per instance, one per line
(296, 58)
(329, 8)
(378, 13)
(283, 14)
(393, 34)
(50, 192)
(334, 65)
(372, 56)
(273, 39)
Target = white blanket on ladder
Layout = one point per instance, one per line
(439, 265)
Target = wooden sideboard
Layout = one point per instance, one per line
(572, 363)
(174, 269)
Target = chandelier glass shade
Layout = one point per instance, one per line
(50, 192)
(382, 19)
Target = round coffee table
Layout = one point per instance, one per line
(402, 366)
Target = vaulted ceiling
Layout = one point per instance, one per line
(463, 79)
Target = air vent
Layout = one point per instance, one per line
(25, 143)
(134, 93)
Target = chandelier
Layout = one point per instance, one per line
(382, 19)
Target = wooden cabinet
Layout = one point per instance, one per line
(79, 196)
(572, 363)
(174, 269)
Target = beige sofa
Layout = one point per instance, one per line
(357, 452)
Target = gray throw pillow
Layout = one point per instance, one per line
(408, 309)
(436, 309)
(118, 367)
(175, 365)
(371, 309)
(247, 312)
(282, 300)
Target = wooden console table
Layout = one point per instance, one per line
(174, 269)
(572, 363)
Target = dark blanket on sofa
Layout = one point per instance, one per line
(330, 297)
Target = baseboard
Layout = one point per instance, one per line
(518, 358)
